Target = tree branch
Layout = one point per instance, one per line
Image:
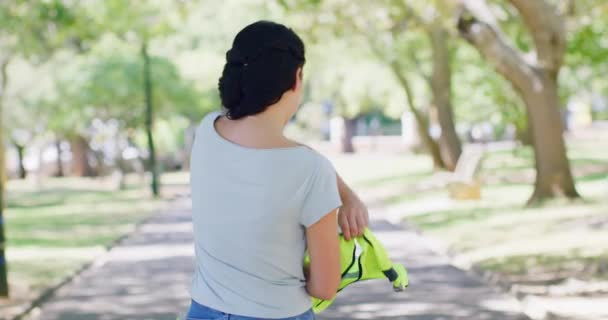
(4, 62)
(411, 54)
(548, 32)
(395, 67)
(491, 44)
(418, 66)
(440, 80)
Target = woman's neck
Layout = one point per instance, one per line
(263, 130)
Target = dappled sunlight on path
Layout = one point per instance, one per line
(437, 290)
(148, 276)
(145, 277)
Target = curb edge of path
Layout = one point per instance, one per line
(487, 277)
(48, 293)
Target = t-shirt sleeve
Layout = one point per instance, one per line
(322, 195)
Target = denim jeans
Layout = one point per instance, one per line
(200, 312)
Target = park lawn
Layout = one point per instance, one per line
(544, 244)
(497, 233)
(56, 228)
(541, 244)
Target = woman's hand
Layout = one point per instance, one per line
(353, 216)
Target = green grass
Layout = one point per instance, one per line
(500, 234)
(452, 218)
(55, 228)
(370, 171)
(57, 196)
(560, 265)
(39, 275)
(401, 178)
(73, 218)
(401, 198)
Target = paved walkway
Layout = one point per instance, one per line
(147, 277)
(437, 290)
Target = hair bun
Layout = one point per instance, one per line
(260, 67)
(233, 56)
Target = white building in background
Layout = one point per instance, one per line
(372, 135)
(578, 114)
(409, 130)
(337, 130)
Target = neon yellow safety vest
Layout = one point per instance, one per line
(364, 258)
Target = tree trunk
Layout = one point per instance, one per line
(422, 121)
(535, 81)
(81, 167)
(98, 167)
(523, 134)
(4, 290)
(553, 175)
(121, 165)
(59, 172)
(431, 145)
(441, 87)
(20, 156)
(189, 139)
(152, 164)
(350, 126)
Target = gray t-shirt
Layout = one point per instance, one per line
(250, 208)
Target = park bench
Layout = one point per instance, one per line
(463, 183)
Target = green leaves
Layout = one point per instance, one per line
(36, 28)
(111, 85)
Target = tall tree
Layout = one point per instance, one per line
(535, 78)
(395, 48)
(110, 89)
(422, 119)
(388, 28)
(585, 60)
(149, 103)
(141, 23)
(441, 88)
(30, 29)
(352, 88)
(431, 20)
(4, 291)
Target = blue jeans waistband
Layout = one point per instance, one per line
(200, 312)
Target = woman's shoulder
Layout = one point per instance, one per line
(210, 118)
(315, 159)
(208, 121)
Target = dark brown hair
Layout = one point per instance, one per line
(260, 67)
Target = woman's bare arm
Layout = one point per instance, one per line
(323, 278)
(353, 217)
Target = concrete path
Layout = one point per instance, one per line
(148, 275)
(437, 290)
(145, 277)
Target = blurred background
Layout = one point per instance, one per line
(482, 123)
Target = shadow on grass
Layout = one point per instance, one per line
(56, 196)
(552, 267)
(412, 193)
(75, 225)
(70, 230)
(405, 178)
(448, 218)
(593, 176)
(40, 275)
